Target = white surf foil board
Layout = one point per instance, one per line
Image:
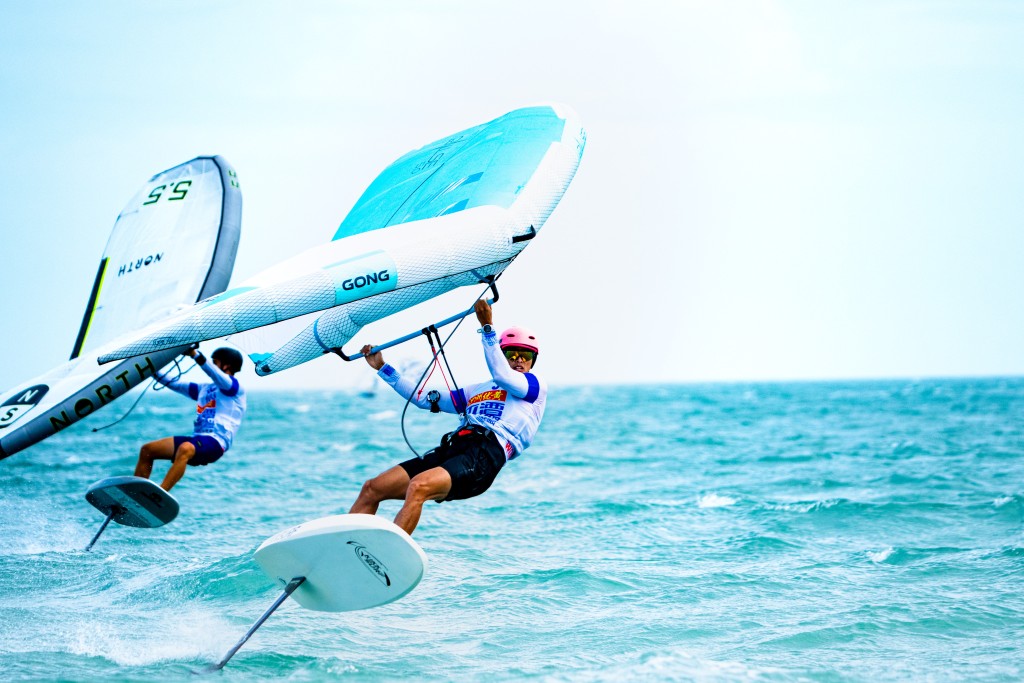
(350, 562)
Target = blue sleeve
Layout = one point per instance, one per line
(533, 387)
(459, 400)
(234, 388)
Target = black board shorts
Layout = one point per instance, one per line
(472, 458)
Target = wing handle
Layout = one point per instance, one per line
(490, 279)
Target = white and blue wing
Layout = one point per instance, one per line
(440, 217)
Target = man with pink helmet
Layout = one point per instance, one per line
(500, 419)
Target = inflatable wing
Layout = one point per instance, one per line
(449, 214)
(173, 244)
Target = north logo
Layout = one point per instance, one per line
(19, 404)
(139, 264)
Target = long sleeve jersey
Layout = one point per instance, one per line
(511, 404)
(220, 405)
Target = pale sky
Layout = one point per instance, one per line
(770, 190)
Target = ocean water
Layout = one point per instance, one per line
(737, 532)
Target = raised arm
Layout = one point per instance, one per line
(524, 385)
(225, 382)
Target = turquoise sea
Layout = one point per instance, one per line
(832, 531)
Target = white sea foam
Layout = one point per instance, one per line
(675, 665)
(808, 506)
(48, 536)
(713, 500)
(1002, 500)
(881, 555)
(182, 636)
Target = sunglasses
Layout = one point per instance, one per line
(519, 354)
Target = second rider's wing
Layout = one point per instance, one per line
(172, 244)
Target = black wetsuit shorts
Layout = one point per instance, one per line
(472, 456)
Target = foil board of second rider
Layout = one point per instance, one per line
(131, 501)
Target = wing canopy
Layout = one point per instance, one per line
(161, 250)
(443, 216)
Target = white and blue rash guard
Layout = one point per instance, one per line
(220, 406)
(511, 405)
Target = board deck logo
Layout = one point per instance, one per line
(372, 563)
(287, 533)
(19, 404)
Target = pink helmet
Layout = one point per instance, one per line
(519, 337)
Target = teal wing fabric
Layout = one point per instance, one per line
(485, 165)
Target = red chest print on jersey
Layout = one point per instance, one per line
(493, 395)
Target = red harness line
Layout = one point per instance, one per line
(436, 366)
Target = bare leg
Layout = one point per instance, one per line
(161, 449)
(434, 484)
(389, 485)
(185, 452)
